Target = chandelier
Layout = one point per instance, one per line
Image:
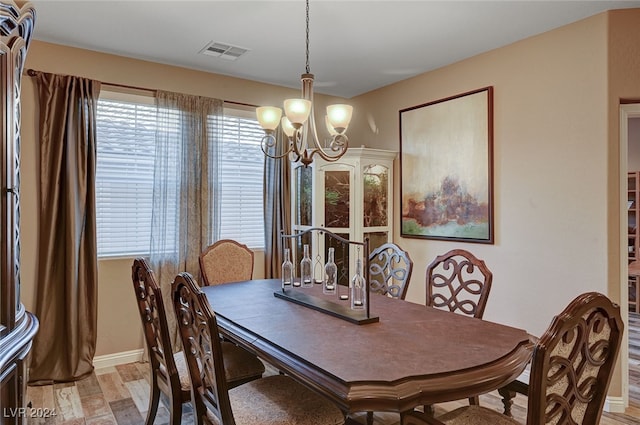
(299, 124)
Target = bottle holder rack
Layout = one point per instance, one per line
(313, 297)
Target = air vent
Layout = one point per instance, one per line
(223, 51)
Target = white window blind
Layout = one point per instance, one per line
(126, 135)
(126, 131)
(241, 180)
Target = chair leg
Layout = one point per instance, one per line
(507, 399)
(369, 418)
(154, 399)
(176, 408)
(428, 409)
(474, 401)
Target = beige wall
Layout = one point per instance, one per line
(556, 162)
(118, 320)
(550, 165)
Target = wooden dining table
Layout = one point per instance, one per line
(413, 355)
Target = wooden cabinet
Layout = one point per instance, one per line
(17, 326)
(351, 197)
(633, 237)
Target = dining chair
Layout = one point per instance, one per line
(459, 282)
(275, 399)
(169, 374)
(226, 261)
(571, 370)
(390, 270)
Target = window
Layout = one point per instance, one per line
(126, 131)
(241, 180)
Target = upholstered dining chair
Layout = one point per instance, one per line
(570, 371)
(169, 373)
(226, 261)
(459, 282)
(276, 399)
(390, 270)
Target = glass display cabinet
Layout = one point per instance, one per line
(351, 197)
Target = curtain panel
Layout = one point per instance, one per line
(66, 290)
(277, 208)
(185, 183)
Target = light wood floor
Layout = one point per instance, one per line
(119, 396)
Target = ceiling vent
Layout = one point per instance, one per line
(223, 51)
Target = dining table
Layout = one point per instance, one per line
(411, 355)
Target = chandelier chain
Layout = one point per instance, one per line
(302, 142)
(307, 40)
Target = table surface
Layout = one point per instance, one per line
(414, 355)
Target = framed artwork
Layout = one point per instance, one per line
(446, 162)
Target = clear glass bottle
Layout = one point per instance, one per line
(287, 269)
(330, 274)
(305, 268)
(358, 288)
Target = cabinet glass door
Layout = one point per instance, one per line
(337, 189)
(375, 189)
(303, 196)
(376, 239)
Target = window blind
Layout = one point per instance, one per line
(241, 180)
(126, 137)
(124, 177)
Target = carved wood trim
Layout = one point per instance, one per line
(17, 327)
(459, 281)
(573, 362)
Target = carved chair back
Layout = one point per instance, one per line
(156, 331)
(198, 329)
(226, 261)
(460, 282)
(573, 362)
(390, 270)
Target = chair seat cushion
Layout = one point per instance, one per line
(239, 364)
(476, 415)
(279, 400)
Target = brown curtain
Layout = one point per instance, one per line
(277, 209)
(66, 292)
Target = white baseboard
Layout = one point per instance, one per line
(115, 359)
(614, 405)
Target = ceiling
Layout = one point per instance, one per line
(355, 46)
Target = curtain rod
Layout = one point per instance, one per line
(33, 73)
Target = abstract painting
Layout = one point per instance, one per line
(446, 161)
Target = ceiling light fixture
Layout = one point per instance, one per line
(299, 124)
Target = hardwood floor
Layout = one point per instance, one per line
(119, 396)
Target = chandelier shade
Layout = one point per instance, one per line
(297, 111)
(269, 117)
(298, 124)
(339, 116)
